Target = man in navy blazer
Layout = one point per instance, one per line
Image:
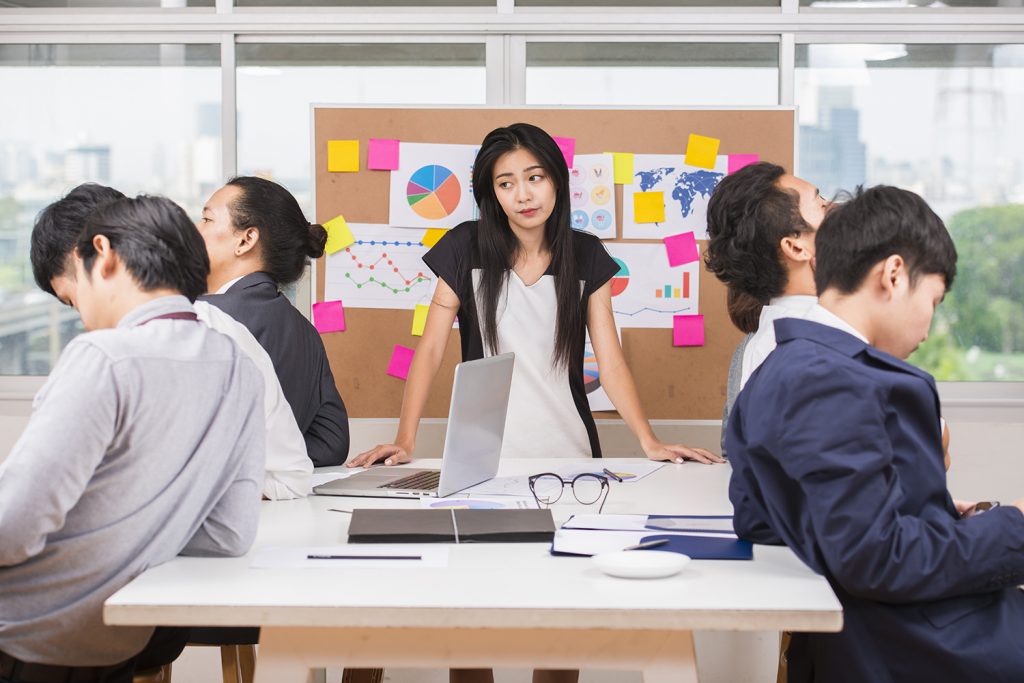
(836, 452)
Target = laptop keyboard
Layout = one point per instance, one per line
(421, 481)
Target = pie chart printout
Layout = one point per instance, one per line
(621, 279)
(433, 192)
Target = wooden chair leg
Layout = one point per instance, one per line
(247, 662)
(783, 674)
(362, 676)
(161, 675)
(229, 664)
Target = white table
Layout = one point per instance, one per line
(495, 605)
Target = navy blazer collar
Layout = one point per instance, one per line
(252, 280)
(787, 329)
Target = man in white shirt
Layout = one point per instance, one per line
(54, 236)
(761, 223)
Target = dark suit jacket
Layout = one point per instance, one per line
(836, 452)
(295, 348)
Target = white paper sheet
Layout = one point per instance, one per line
(608, 522)
(282, 557)
(687, 190)
(628, 473)
(718, 525)
(639, 288)
(384, 268)
(592, 194)
(478, 502)
(432, 187)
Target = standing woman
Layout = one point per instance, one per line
(522, 280)
(259, 241)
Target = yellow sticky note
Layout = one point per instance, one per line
(649, 207)
(431, 237)
(623, 168)
(338, 235)
(702, 152)
(343, 156)
(419, 319)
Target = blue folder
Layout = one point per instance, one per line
(704, 547)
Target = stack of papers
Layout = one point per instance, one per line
(699, 536)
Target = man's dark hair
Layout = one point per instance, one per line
(287, 239)
(156, 241)
(748, 215)
(876, 224)
(58, 227)
(744, 310)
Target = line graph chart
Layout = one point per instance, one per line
(383, 268)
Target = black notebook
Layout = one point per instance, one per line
(451, 526)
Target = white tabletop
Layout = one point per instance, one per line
(488, 585)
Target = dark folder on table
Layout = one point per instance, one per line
(450, 526)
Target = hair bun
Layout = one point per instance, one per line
(317, 240)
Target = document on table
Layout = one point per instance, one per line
(478, 502)
(390, 556)
(627, 473)
(719, 524)
(699, 546)
(502, 486)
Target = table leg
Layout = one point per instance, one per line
(288, 654)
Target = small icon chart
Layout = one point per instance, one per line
(671, 291)
(433, 192)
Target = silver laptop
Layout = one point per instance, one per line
(472, 444)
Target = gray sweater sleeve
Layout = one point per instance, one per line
(73, 421)
(732, 387)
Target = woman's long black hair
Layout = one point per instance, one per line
(498, 246)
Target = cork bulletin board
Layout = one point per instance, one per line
(673, 382)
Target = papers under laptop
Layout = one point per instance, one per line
(472, 444)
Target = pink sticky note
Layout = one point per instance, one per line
(568, 147)
(329, 316)
(738, 161)
(682, 249)
(401, 359)
(382, 155)
(688, 330)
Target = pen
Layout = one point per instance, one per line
(648, 544)
(612, 475)
(347, 512)
(363, 557)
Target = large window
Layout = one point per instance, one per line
(649, 73)
(278, 83)
(943, 121)
(142, 118)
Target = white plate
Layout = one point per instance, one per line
(641, 564)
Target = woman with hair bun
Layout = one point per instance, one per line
(258, 241)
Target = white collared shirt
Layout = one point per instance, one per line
(763, 341)
(227, 285)
(820, 314)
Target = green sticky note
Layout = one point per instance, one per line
(623, 167)
(338, 235)
(343, 156)
(702, 151)
(419, 319)
(649, 207)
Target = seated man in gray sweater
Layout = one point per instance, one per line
(146, 442)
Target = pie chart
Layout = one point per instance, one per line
(621, 279)
(433, 192)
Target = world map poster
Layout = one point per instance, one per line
(686, 191)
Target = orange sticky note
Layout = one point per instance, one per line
(623, 167)
(432, 236)
(338, 234)
(343, 156)
(702, 151)
(419, 319)
(649, 207)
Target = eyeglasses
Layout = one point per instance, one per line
(587, 488)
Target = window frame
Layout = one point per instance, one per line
(505, 29)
